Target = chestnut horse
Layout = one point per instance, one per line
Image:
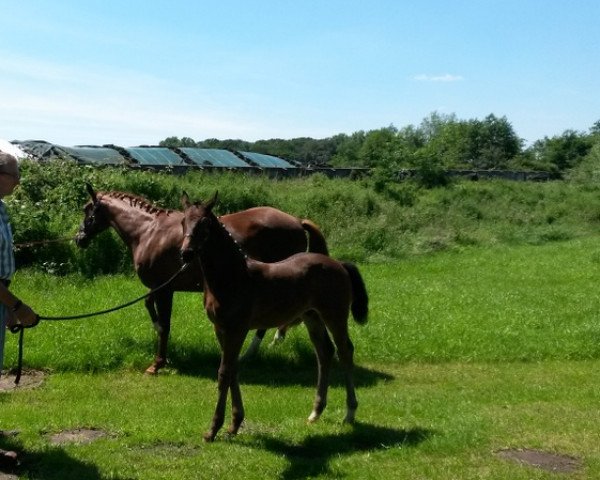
(154, 236)
(241, 294)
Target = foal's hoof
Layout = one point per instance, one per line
(209, 437)
(350, 417)
(156, 366)
(313, 417)
(277, 340)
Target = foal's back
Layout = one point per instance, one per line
(283, 291)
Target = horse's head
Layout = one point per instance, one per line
(197, 221)
(95, 220)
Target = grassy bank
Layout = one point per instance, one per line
(364, 220)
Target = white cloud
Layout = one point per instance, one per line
(447, 77)
(71, 105)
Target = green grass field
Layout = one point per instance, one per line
(466, 353)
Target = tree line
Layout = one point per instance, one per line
(439, 142)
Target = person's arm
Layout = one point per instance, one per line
(23, 313)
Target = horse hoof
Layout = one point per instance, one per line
(313, 417)
(151, 370)
(208, 437)
(350, 418)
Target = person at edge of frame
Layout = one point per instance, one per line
(12, 309)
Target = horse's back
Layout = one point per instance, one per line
(266, 233)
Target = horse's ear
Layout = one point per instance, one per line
(213, 201)
(91, 191)
(185, 200)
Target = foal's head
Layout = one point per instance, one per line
(198, 219)
(94, 222)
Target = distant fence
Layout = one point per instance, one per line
(183, 159)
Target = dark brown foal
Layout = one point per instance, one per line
(241, 294)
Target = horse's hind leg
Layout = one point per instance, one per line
(345, 349)
(279, 335)
(324, 351)
(254, 345)
(159, 306)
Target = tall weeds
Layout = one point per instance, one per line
(368, 220)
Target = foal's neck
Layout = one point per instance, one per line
(224, 263)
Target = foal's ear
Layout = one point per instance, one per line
(185, 200)
(91, 191)
(213, 201)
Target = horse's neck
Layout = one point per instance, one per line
(224, 264)
(129, 221)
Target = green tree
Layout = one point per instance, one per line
(348, 146)
(382, 148)
(170, 142)
(494, 142)
(563, 151)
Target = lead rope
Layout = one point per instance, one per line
(20, 329)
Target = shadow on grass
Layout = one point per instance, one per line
(50, 464)
(289, 368)
(311, 458)
(292, 363)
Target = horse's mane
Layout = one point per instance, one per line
(137, 201)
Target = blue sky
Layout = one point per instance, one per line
(135, 72)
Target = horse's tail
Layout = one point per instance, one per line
(316, 239)
(360, 299)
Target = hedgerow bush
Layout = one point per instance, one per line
(373, 219)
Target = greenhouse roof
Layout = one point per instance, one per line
(263, 160)
(94, 155)
(214, 157)
(154, 156)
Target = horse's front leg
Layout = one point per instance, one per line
(231, 343)
(159, 307)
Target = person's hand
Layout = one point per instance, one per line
(11, 319)
(26, 316)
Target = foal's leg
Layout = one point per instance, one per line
(160, 305)
(345, 349)
(279, 336)
(231, 343)
(324, 350)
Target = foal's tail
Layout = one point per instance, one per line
(316, 239)
(360, 299)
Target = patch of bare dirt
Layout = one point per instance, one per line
(30, 378)
(8, 476)
(79, 435)
(551, 462)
